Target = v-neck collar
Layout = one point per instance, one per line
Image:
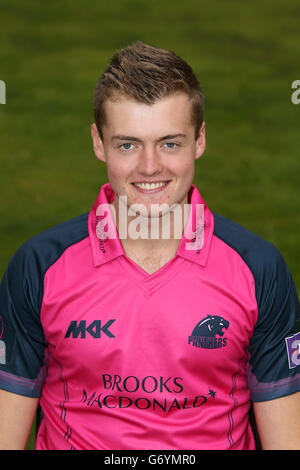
(105, 248)
(149, 283)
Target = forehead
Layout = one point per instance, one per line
(167, 115)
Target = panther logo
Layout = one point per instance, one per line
(208, 333)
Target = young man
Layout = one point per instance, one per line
(157, 341)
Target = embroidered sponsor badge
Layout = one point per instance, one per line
(7, 342)
(293, 350)
(2, 344)
(2, 352)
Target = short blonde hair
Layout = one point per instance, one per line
(146, 74)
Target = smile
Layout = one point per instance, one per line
(150, 187)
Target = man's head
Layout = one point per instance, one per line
(147, 74)
(149, 126)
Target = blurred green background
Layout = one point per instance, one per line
(246, 56)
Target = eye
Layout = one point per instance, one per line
(126, 146)
(171, 145)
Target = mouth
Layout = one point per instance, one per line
(151, 187)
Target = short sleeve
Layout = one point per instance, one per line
(274, 364)
(22, 341)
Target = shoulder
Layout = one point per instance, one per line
(65, 233)
(50, 243)
(272, 278)
(257, 252)
(26, 269)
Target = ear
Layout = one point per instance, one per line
(97, 143)
(200, 141)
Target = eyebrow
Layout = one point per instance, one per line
(135, 139)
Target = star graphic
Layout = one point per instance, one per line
(212, 393)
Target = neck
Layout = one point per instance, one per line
(161, 231)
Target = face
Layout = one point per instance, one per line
(149, 150)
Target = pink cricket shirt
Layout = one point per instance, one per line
(123, 359)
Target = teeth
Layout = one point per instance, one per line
(150, 185)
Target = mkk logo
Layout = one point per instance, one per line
(208, 333)
(95, 329)
(293, 350)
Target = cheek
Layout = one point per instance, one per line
(115, 170)
(113, 173)
(118, 173)
(182, 167)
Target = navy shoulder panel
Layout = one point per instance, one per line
(37, 254)
(21, 295)
(262, 257)
(254, 250)
(270, 374)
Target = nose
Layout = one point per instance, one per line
(149, 162)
